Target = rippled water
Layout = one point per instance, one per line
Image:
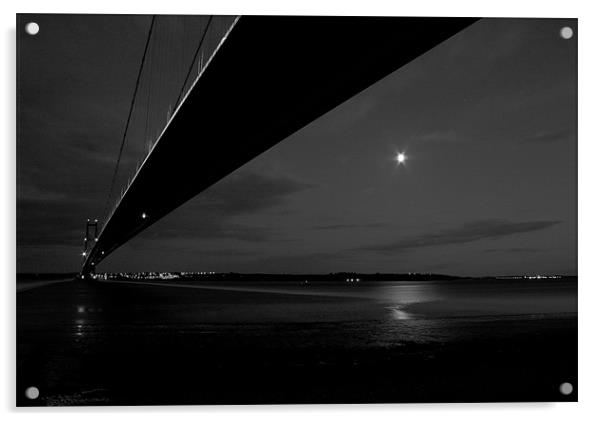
(75, 338)
(373, 313)
(404, 300)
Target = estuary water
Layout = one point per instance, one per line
(167, 342)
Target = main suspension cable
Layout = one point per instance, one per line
(127, 124)
(193, 61)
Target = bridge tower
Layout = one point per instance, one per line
(90, 238)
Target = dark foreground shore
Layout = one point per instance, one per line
(119, 344)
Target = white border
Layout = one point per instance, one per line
(590, 280)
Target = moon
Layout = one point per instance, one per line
(401, 158)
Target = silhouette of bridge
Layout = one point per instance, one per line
(213, 92)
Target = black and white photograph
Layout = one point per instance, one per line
(293, 209)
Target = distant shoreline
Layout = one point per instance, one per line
(350, 277)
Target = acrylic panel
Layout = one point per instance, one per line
(295, 209)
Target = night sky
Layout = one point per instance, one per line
(487, 121)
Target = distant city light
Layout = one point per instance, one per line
(401, 158)
(144, 215)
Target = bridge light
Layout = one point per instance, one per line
(96, 239)
(96, 220)
(84, 254)
(144, 215)
(102, 252)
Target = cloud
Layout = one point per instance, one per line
(317, 262)
(213, 214)
(452, 136)
(32, 193)
(513, 250)
(248, 192)
(46, 220)
(467, 233)
(188, 234)
(549, 136)
(348, 226)
(440, 136)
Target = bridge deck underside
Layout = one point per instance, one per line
(271, 77)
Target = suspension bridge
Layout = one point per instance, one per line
(213, 92)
